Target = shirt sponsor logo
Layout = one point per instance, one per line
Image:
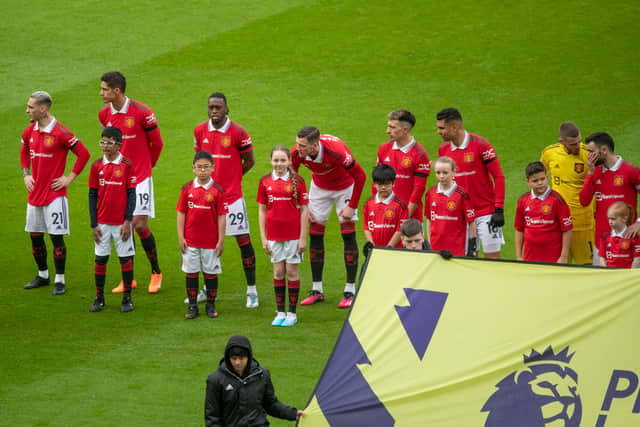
(129, 121)
(567, 221)
(276, 199)
(471, 213)
(445, 217)
(536, 221)
(611, 255)
(473, 172)
(348, 159)
(196, 206)
(104, 182)
(600, 197)
(33, 154)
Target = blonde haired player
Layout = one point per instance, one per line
(566, 163)
(615, 250)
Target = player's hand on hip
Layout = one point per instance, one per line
(347, 212)
(29, 182)
(97, 234)
(60, 183)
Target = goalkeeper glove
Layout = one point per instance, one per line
(366, 249)
(497, 220)
(472, 247)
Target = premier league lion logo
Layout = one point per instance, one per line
(543, 393)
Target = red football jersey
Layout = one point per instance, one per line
(334, 168)
(412, 167)
(112, 179)
(225, 145)
(476, 164)
(45, 151)
(542, 220)
(621, 183)
(202, 205)
(141, 139)
(283, 211)
(618, 251)
(383, 218)
(449, 213)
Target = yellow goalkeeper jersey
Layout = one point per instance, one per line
(567, 176)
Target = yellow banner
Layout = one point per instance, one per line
(466, 342)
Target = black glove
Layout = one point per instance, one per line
(446, 254)
(366, 249)
(472, 247)
(497, 219)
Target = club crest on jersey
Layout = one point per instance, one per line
(49, 140)
(389, 214)
(624, 244)
(578, 167)
(618, 180)
(288, 188)
(406, 162)
(129, 121)
(117, 173)
(226, 141)
(208, 197)
(546, 209)
(451, 205)
(468, 157)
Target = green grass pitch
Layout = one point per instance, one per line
(516, 71)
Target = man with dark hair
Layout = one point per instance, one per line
(44, 147)
(566, 163)
(232, 151)
(478, 171)
(240, 392)
(336, 179)
(142, 144)
(408, 158)
(112, 200)
(611, 179)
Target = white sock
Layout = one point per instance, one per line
(317, 286)
(252, 290)
(44, 274)
(59, 278)
(350, 287)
